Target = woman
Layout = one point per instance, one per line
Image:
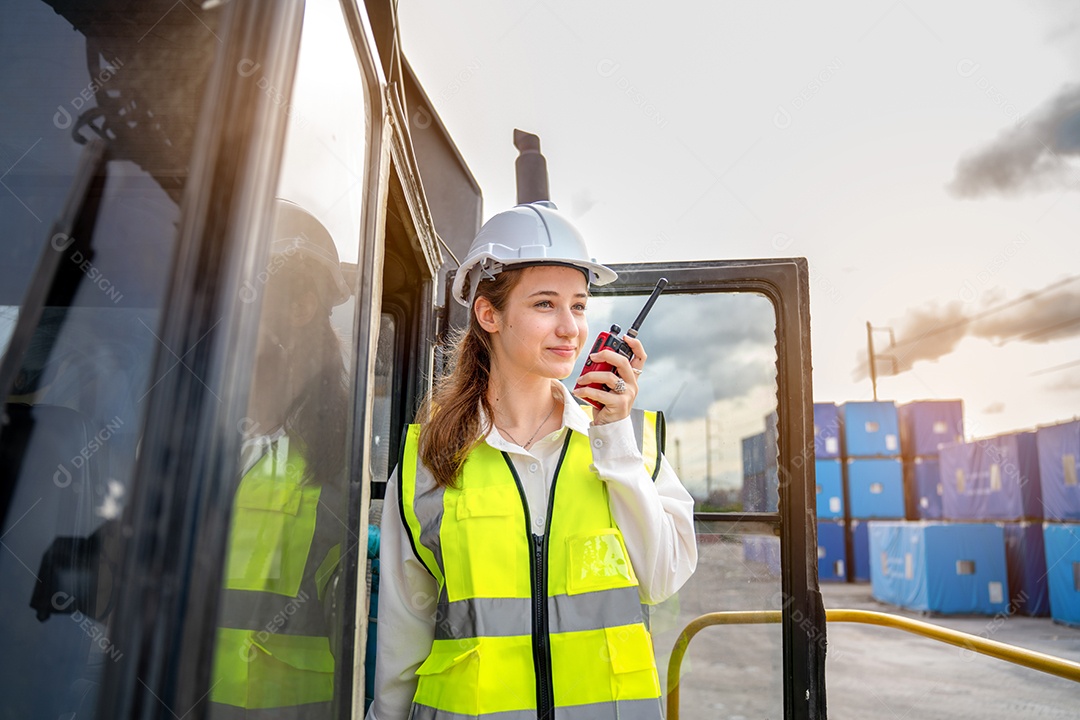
(528, 533)
(279, 625)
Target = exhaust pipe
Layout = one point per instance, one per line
(531, 168)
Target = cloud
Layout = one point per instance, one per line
(1036, 155)
(994, 408)
(701, 348)
(933, 331)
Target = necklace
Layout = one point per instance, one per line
(525, 445)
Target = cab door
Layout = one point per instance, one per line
(728, 345)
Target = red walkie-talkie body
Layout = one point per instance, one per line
(611, 340)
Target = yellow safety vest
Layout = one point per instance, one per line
(272, 647)
(527, 623)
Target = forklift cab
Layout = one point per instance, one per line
(153, 355)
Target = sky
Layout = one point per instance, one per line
(921, 156)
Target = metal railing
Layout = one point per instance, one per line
(1009, 653)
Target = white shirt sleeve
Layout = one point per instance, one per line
(408, 597)
(656, 518)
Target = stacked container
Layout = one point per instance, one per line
(829, 476)
(873, 474)
(759, 494)
(998, 478)
(1059, 465)
(925, 426)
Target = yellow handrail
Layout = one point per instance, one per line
(1002, 651)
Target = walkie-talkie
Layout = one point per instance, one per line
(611, 340)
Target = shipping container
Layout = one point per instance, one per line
(830, 552)
(870, 429)
(753, 455)
(762, 554)
(1025, 556)
(995, 478)
(956, 568)
(1059, 462)
(826, 430)
(922, 488)
(875, 488)
(1062, 542)
(859, 550)
(830, 489)
(925, 425)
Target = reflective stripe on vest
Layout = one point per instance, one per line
(514, 607)
(272, 648)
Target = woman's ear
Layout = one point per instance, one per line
(486, 314)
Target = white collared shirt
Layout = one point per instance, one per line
(656, 520)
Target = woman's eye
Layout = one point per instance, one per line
(580, 307)
(544, 304)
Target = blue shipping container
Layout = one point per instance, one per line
(925, 425)
(994, 478)
(826, 430)
(1063, 566)
(859, 542)
(938, 567)
(830, 489)
(870, 429)
(761, 492)
(875, 488)
(830, 552)
(1026, 560)
(753, 455)
(1059, 465)
(922, 487)
(759, 549)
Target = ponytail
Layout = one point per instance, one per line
(451, 413)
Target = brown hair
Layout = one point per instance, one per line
(450, 414)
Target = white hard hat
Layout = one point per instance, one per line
(529, 234)
(298, 232)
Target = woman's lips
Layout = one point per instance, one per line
(566, 352)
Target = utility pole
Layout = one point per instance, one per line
(678, 458)
(872, 359)
(708, 455)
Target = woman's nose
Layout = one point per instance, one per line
(567, 326)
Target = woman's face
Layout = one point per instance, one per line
(542, 329)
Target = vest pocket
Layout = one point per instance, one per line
(487, 551)
(597, 561)
(449, 679)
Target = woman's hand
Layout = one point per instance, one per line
(616, 404)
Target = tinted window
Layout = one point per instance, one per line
(70, 435)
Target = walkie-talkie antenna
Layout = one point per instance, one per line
(660, 285)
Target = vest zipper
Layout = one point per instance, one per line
(545, 692)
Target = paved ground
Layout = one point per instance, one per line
(734, 672)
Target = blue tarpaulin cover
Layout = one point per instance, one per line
(830, 489)
(947, 568)
(830, 551)
(1059, 466)
(1026, 559)
(826, 430)
(859, 562)
(1063, 571)
(926, 424)
(870, 429)
(875, 487)
(922, 484)
(994, 478)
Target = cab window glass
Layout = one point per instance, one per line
(712, 372)
(280, 646)
(69, 432)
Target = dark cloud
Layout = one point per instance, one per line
(1035, 155)
(932, 331)
(701, 348)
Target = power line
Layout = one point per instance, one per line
(978, 316)
(1056, 368)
